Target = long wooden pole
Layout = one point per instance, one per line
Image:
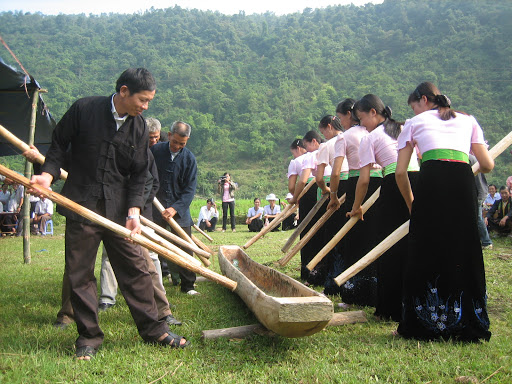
(203, 233)
(342, 232)
(313, 230)
(397, 235)
(403, 230)
(153, 236)
(120, 230)
(181, 233)
(287, 211)
(23, 147)
(172, 237)
(200, 244)
(305, 222)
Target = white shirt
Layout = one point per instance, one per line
(205, 214)
(4, 197)
(43, 207)
(119, 120)
(15, 200)
(268, 211)
(252, 212)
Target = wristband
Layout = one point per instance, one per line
(132, 217)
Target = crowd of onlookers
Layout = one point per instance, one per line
(257, 216)
(497, 210)
(11, 201)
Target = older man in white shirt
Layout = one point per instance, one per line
(42, 213)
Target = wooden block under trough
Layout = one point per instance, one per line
(341, 318)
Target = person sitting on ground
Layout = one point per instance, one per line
(208, 216)
(42, 213)
(491, 198)
(271, 211)
(498, 217)
(12, 223)
(255, 217)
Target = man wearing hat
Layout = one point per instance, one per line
(208, 216)
(271, 211)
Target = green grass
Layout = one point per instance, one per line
(32, 351)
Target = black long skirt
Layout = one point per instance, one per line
(306, 203)
(361, 239)
(444, 291)
(393, 212)
(333, 225)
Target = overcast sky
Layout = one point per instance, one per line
(279, 7)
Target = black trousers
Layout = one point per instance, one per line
(255, 225)
(225, 205)
(213, 222)
(130, 268)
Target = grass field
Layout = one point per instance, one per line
(33, 351)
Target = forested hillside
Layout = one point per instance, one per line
(249, 84)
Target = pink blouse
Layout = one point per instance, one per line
(326, 153)
(428, 131)
(378, 147)
(295, 165)
(348, 145)
(310, 162)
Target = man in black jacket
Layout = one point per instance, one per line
(177, 172)
(108, 141)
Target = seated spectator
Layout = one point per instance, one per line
(14, 204)
(33, 201)
(271, 211)
(5, 195)
(208, 216)
(491, 198)
(255, 217)
(498, 217)
(42, 213)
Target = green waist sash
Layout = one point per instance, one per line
(373, 173)
(391, 168)
(445, 155)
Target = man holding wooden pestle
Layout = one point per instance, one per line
(108, 140)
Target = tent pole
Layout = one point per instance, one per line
(28, 174)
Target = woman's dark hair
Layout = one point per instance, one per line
(347, 106)
(369, 102)
(226, 174)
(297, 143)
(433, 95)
(256, 198)
(310, 135)
(137, 80)
(492, 185)
(333, 120)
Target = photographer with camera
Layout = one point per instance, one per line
(227, 191)
(208, 216)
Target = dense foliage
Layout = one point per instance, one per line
(249, 84)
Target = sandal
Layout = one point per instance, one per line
(174, 341)
(85, 351)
